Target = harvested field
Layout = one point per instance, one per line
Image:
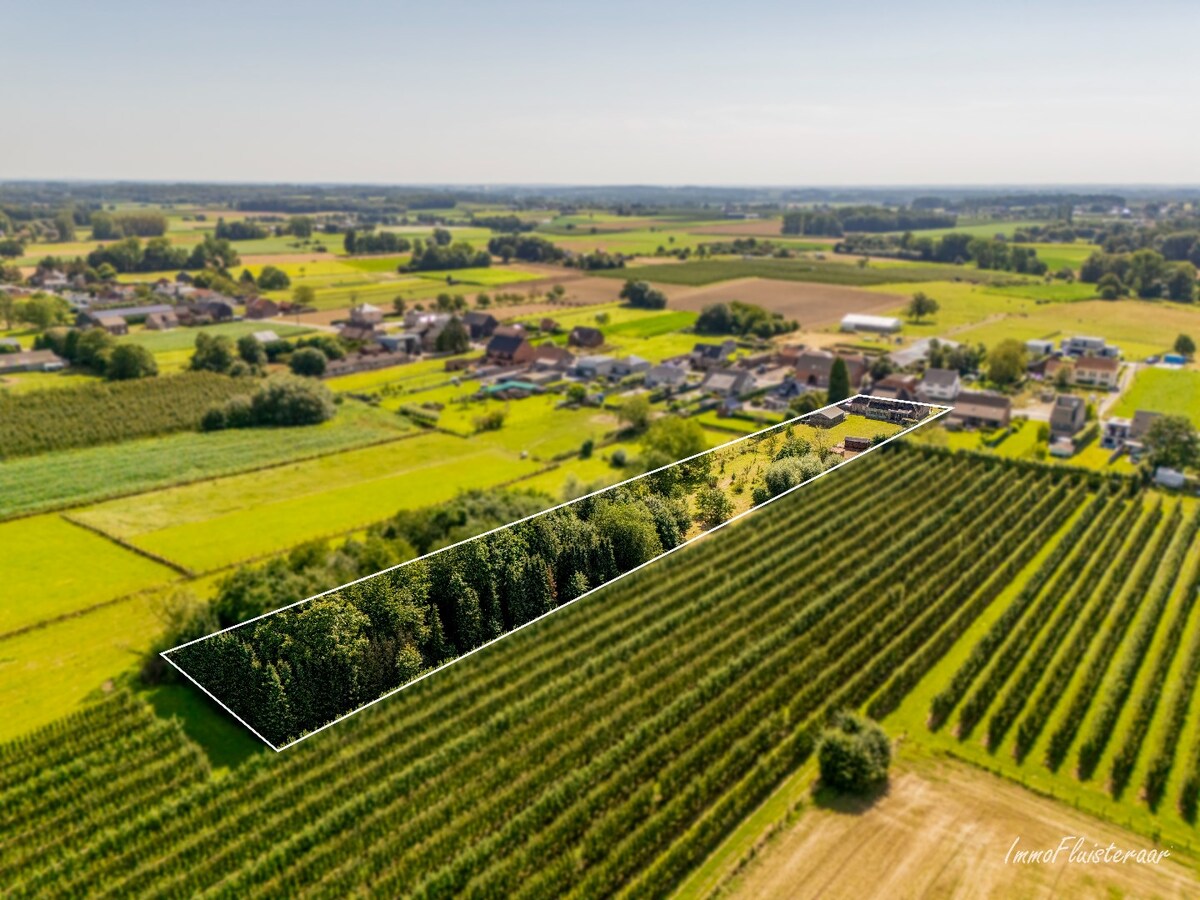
(753, 228)
(812, 305)
(943, 830)
(286, 259)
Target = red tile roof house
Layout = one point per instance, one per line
(509, 350)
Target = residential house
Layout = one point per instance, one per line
(550, 356)
(1098, 371)
(629, 365)
(209, 304)
(707, 357)
(728, 383)
(1039, 347)
(826, 418)
(405, 342)
(358, 333)
(261, 308)
(896, 386)
(781, 396)
(114, 325)
(509, 350)
(31, 361)
(1084, 345)
(1128, 434)
(939, 386)
(980, 409)
(479, 325)
(666, 376)
(589, 367)
(162, 321)
(882, 409)
(549, 326)
(365, 314)
(813, 368)
(1067, 416)
(583, 336)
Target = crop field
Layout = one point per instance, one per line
(492, 276)
(977, 229)
(222, 521)
(961, 306)
(1140, 328)
(76, 477)
(812, 305)
(733, 651)
(1079, 680)
(1058, 256)
(1171, 391)
(53, 568)
(811, 270)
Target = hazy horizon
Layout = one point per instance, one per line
(539, 93)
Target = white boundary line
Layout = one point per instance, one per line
(942, 410)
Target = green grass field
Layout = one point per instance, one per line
(819, 271)
(177, 339)
(216, 523)
(1172, 391)
(76, 477)
(492, 276)
(54, 568)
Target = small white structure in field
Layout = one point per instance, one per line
(879, 324)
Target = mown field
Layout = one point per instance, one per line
(528, 767)
(816, 271)
(1170, 391)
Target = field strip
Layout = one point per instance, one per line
(937, 412)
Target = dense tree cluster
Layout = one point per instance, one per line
(241, 230)
(280, 401)
(742, 319)
(525, 247)
(159, 254)
(1144, 273)
(509, 223)
(435, 256)
(361, 243)
(597, 259)
(112, 226)
(956, 248)
(641, 295)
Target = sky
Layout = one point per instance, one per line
(730, 93)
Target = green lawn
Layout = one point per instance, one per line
(53, 568)
(1057, 256)
(185, 338)
(492, 276)
(217, 523)
(1172, 391)
(76, 477)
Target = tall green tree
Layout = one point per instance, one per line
(839, 381)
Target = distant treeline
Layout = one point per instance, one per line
(839, 221)
(525, 247)
(159, 254)
(110, 226)
(364, 242)
(956, 248)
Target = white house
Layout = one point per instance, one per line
(939, 386)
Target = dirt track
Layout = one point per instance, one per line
(812, 305)
(944, 830)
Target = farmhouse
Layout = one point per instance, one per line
(112, 324)
(814, 366)
(366, 314)
(593, 366)
(404, 342)
(1068, 415)
(353, 332)
(261, 308)
(162, 321)
(875, 324)
(896, 387)
(728, 383)
(1122, 433)
(583, 336)
(551, 356)
(666, 376)
(509, 350)
(124, 313)
(939, 386)
(826, 418)
(31, 361)
(981, 409)
(1100, 371)
(712, 356)
(479, 325)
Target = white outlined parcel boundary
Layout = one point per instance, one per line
(928, 413)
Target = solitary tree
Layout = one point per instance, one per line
(1171, 441)
(921, 305)
(308, 361)
(1006, 362)
(839, 381)
(712, 506)
(304, 295)
(853, 755)
(635, 412)
(1185, 346)
(130, 361)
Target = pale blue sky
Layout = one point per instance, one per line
(924, 92)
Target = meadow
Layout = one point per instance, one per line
(1171, 391)
(812, 270)
(77, 477)
(176, 339)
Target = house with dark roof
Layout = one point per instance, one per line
(584, 336)
(31, 361)
(1067, 416)
(813, 368)
(261, 308)
(479, 325)
(629, 365)
(666, 376)
(730, 383)
(980, 409)
(712, 356)
(826, 418)
(896, 386)
(509, 350)
(162, 321)
(550, 356)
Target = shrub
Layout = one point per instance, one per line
(130, 361)
(307, 361)
(853, 754)
(282, 401)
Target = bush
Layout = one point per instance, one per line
(853, 755)
(620, 458)
(308, 361)
(129, 361)
(282, 401)
(784, 474)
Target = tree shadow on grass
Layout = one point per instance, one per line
(848, 804)
(226, 743)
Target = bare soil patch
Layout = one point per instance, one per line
(754, 228)
(943, 829)
(275, 259)
(812, 305)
